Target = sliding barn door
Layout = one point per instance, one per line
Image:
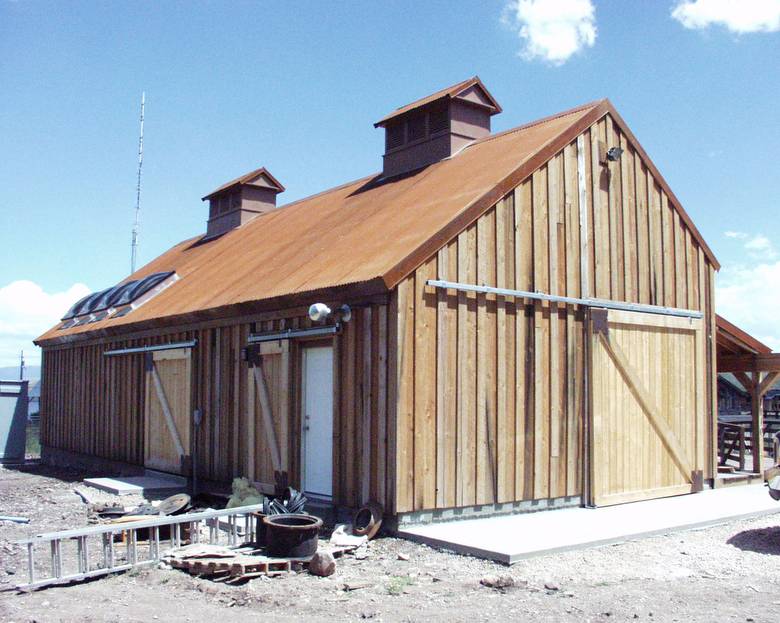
(649, 428)
(268, 413)
(167, 410)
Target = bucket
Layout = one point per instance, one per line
(292, 536)
(259, 528)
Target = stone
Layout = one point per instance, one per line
(402, 556)
(498, 581)
(322, 564)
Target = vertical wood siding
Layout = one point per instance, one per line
(489, 391)
(93, 404)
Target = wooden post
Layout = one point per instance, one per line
(757, 432)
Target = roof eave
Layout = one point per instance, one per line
(342, 293)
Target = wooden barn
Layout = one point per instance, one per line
(507, 321)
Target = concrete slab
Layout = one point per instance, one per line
(152, 484)
(511, 538)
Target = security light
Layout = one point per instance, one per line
(319, 311)
(613, 153)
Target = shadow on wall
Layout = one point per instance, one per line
(760, 540)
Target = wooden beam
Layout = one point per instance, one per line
(659, 424)
(766, 384)
(749, 363)
(757, 432)
(746, 379)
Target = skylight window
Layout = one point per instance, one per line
(127, 296)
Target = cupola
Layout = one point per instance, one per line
(437, 126)
(241, 200)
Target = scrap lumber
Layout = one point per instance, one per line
(238, 563)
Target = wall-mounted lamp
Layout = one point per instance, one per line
(613, 154)
(320, 312)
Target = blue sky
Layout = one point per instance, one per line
(296, 88)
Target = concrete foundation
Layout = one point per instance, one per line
(509, 539)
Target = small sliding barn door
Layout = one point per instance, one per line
(167, 411)
(268, 412)
(648, 408)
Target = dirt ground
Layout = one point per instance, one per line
(729, 572)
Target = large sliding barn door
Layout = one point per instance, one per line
(167, 412)
(268, 413)
(648, 422)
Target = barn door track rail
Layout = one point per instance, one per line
(289, 334)
(569, 300)
(114, 559)
(150, 349)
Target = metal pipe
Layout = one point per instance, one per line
(587, 302)
(149, 349)
(293, 333)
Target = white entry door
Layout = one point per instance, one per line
(317, 420)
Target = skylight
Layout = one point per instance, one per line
(127, 296)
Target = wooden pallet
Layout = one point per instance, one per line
(245, 564)
(235, 567)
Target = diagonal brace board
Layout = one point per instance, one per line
(265, 408)
(659, 424)
(169, 421)
(767, 383)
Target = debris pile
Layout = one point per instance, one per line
(236, 565)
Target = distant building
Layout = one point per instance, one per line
(734, 399)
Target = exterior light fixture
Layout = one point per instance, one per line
(320, 312)
(613, 154)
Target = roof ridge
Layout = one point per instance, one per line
(536, 122)
(327, 191)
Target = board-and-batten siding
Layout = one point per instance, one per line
(93, 404)
(490, 390)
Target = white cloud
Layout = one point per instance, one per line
(26, 311)
(759, 247)
(739, 16)
(749, 297)
(739, 235)
(552, 30)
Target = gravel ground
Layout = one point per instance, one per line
(729, 572)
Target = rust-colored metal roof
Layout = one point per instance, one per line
(361, 237)
(451, 91)
(274, 184)
(732, 339)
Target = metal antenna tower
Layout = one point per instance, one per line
(137, 222)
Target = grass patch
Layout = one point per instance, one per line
(398, 584)
(33, 443)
